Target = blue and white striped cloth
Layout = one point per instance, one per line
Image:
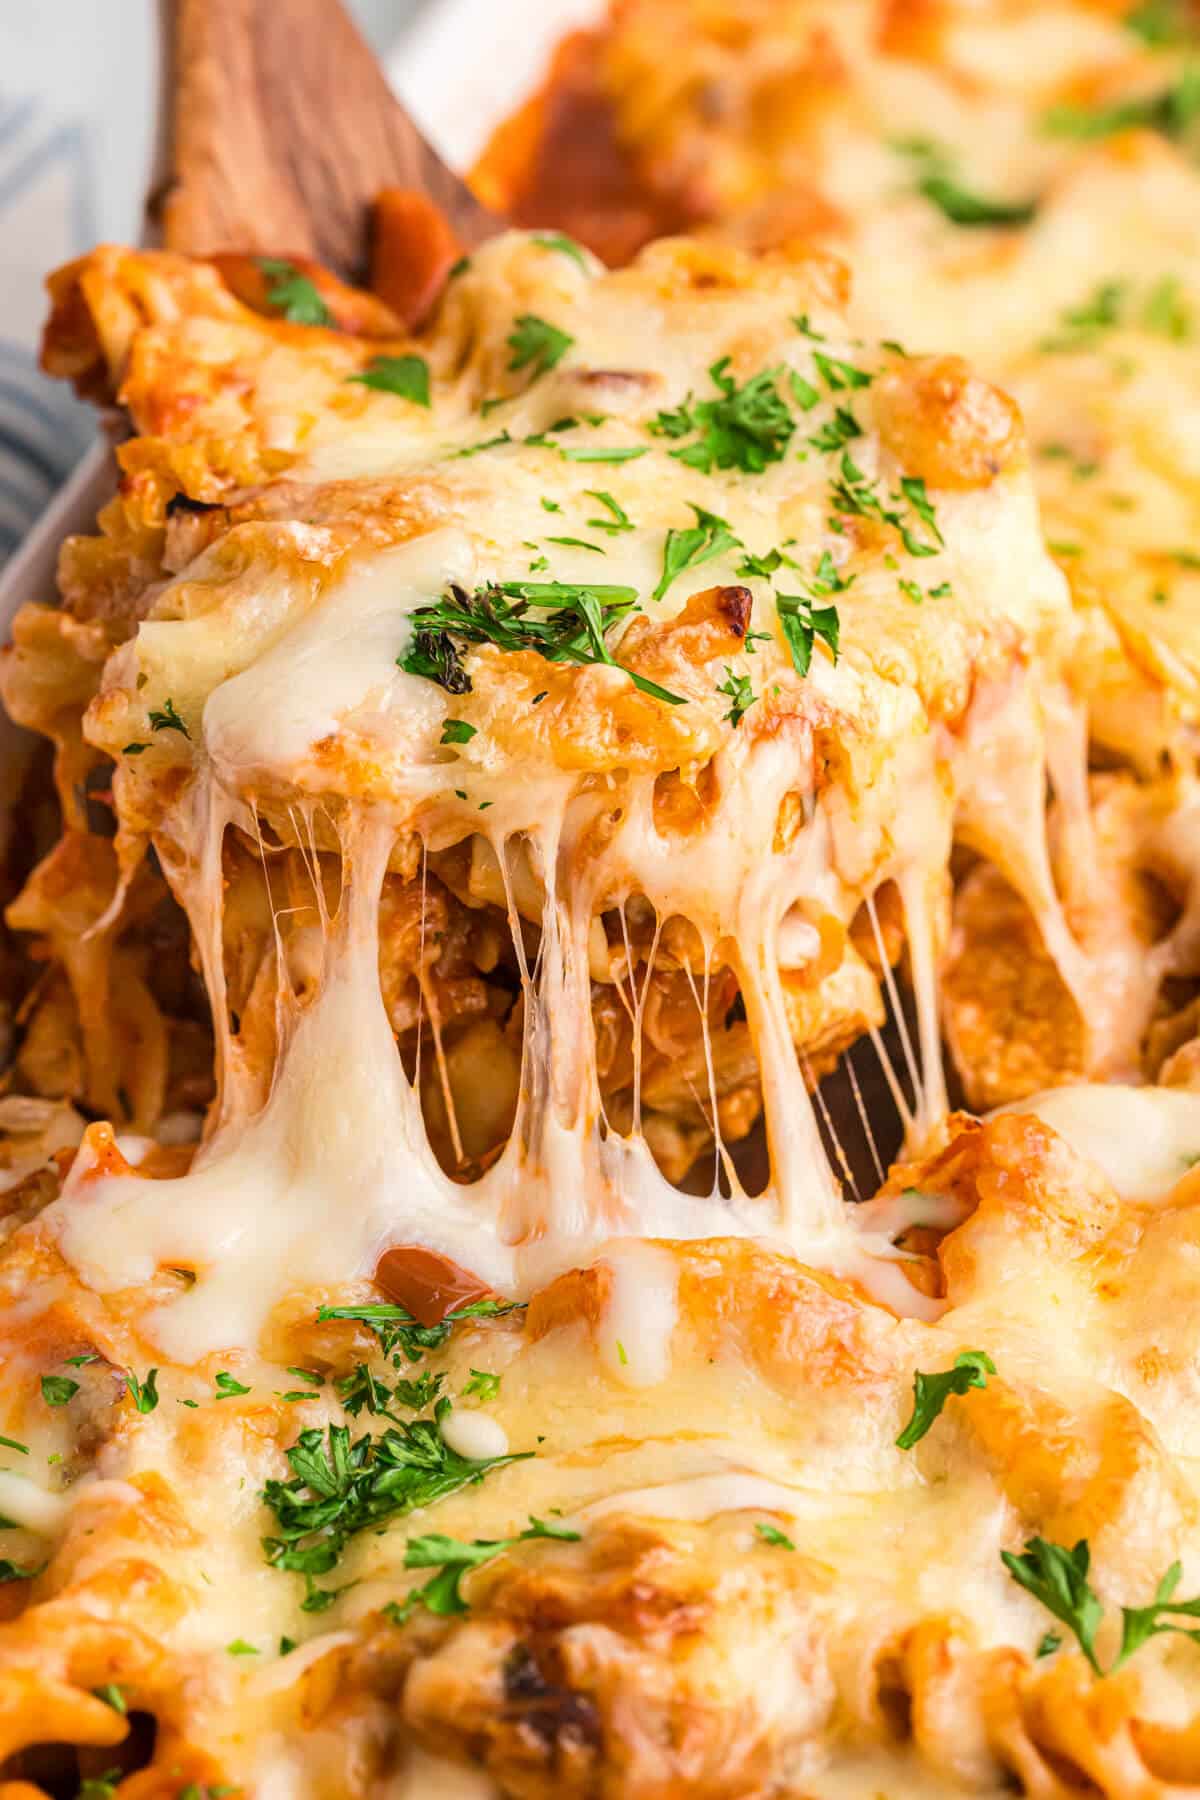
(45, 201)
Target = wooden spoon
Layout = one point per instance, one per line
(285, 132)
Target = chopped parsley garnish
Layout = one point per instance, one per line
(746, 428)
(771, 1534)
(913, 591)
(168, 719)
(931, 1392)
(133, 749)
(453, 1559)
(293, 294)
(1161, 23)
(550, 505)
(1058, 1577)
(837, 432)
(836, 374)
(286, 1646)
(802, 623)
(78, 1362)
(1048, 1644)
(1167, 313)
(962, 207)
(537, 345)
(805, 327)
(692, 544)
(457, 731)
(504, 437)
(482, 1384)
(561, 621)
(14, 1444)
(112, 1696)
(144, 1393)
(100, 1787)
(58, 1389)
(400, 1335)
(618, 454)
(239, 1647)
(618, 519)
(566, 246)
(804, 393)
(458, 268)
(362, 1391)
(739, 691)
(227, 1387)
(341, 1486)
(419, 1392)
(764, 566)
(575, 543)
(11, 1571)
(407, 376)
(802, 619)
(938, 182)
(1173, 111)
(854, 493)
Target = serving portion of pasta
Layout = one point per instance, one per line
(502, 772)
(1015, 183)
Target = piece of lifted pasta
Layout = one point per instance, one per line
(1016, 183)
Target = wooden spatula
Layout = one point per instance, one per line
(284, 133)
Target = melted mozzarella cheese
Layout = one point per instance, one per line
(1145, 1139)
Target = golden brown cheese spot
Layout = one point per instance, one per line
(946, 424)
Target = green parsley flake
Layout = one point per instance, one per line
(293, 294)
(144, 1393)
(739, 691)
(618, 519)
(558, 240)
(837, 432)
(931, 1392)
(771, 1534)
(803, 618)
(168, 719)
(1173, 110)
(406, 376)
(457, 731)
(340, 1487)
(746, 428)
(938, 182)
(453, 1559)
(482, 1385)
(227, 1387)
(58, 1389)
(1161, 23)
(537, 345)
(575, 543)
(689, 546)
(837, 375)
(561, 621)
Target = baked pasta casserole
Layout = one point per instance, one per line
(502, 1296)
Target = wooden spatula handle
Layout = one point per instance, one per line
(285, 131)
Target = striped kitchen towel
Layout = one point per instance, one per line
(45, 215)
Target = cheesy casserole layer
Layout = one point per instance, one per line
(498, 769)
